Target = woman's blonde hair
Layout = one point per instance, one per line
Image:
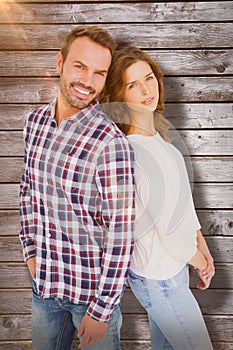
(115, 88)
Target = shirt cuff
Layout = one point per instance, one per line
(100, 311)
(29, 251)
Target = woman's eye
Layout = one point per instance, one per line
(150, 77)
(132, 86)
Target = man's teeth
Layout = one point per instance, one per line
(84, 92)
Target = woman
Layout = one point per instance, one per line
(168, 236)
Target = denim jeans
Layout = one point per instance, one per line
(175, 319)
(54, 323)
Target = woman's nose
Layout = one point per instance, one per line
(144, 89)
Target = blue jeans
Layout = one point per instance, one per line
(54, 322)
(175, 319)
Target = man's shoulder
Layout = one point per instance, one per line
(109, 127)
(40, 112)
(111, 137)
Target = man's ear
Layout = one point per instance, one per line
(59, 62)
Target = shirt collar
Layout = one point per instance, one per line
(77, 116)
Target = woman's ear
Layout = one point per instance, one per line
(59, 63)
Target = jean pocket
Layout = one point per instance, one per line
(34, 287)
(170, 283)
(134, 277)
(139, 287)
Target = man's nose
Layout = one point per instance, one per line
(87, 79)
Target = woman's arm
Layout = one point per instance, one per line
(198, 261)
(205, 269)
(209, 271)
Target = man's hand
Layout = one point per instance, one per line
(91, 331)
(31, 263)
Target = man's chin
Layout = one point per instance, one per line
(82, 104)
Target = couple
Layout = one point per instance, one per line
(78, 205)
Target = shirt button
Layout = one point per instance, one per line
(49, 235)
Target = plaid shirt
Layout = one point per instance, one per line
(77, 207)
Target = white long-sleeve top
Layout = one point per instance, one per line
(166, 221)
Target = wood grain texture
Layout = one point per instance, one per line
(223, 276)
(211, 302)
(200, 142)
(220, 328)
(214, 222)
(199, 115)
(9, 148)
(16, 345)
(221, 249)
(172, 62)
(214, 196)
(177, 89)
(129, 12)
(17, 327)
(180, 115)
(209, 196)
(159, 35)
(125, 345)
(13, 116)
(192, 42)
(211, 169)
(198, 89)
(9, 222)
(11, 169)
(192, 142)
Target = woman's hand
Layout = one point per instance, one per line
(209, 271)
(204, 283)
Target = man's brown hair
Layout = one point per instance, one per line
(94, 33)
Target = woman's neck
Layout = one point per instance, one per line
(141, 131)
(143, 125)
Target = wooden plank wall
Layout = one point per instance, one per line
(192, 41)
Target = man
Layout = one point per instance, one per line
(77, 204)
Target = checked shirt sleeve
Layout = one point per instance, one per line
(27, 229)
(115, 182)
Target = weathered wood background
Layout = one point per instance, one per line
(192, 41)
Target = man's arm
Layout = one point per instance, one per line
(114, 178)
(27, 229)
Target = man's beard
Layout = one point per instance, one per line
(74, 101)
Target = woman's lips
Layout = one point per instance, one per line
(148, 101)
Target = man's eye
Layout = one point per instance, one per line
(79, 66)
(101, 74)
